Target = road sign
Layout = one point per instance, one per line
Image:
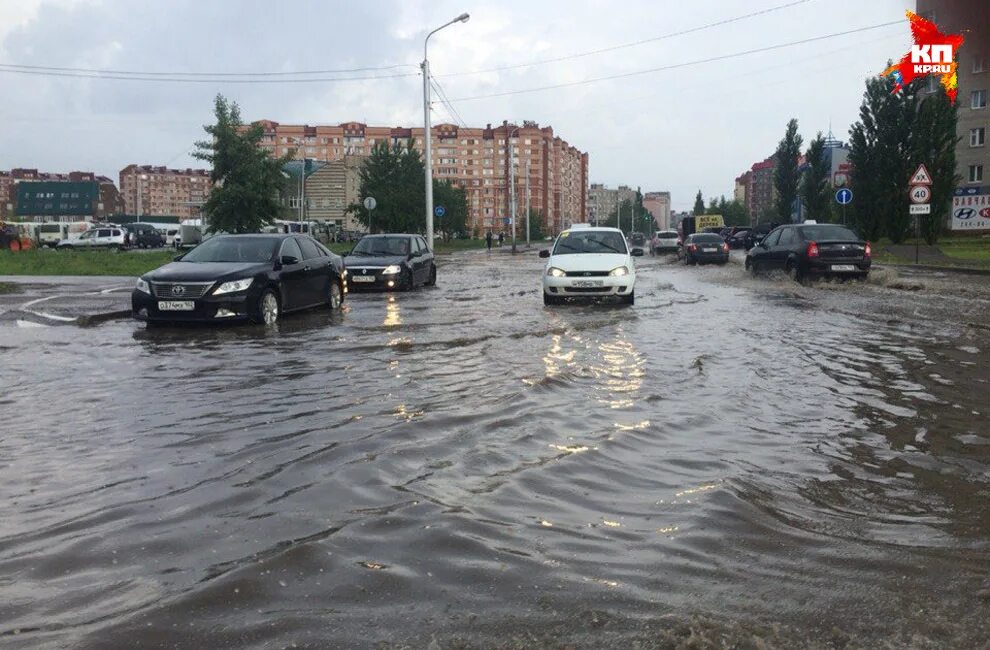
(844, 196)
(922, 208)
(439, 211)
(370, 203)
(921, 176)
(920, 194)
(507, 221)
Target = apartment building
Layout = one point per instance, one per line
(51, 197)
(603, 201)
(325, 191)
(658, 204)
(151, 191)
(477, 159)
(756, 186)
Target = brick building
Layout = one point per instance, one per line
(45, 196)
(756, 186)
(161, 192)
(477, 159)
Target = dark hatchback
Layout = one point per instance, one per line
(391, 262)
(812, 250)
(238, 277)
(704, 247)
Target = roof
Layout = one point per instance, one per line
(295, 167)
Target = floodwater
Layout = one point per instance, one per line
(730, 461)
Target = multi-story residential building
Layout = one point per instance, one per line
(758, 190)
(603, 202)
(326, 192)
(477, 159)
(45, 196)
(972, 19)
(151, 191)
(742, 186)
(658, 204)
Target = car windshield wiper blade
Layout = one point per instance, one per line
(611, 248)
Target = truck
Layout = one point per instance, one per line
(691, 225)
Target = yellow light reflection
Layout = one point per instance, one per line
(611, 524)
(546, 524)
(668, 530)
(392, 316)
(633, 427)
(701, 488)
(572, 449)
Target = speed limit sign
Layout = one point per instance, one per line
(920, 194)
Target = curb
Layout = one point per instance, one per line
(936, 269)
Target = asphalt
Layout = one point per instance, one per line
(53, 301)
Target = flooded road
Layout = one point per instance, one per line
(732, 460)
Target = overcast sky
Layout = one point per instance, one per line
(691, 127)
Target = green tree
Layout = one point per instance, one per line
(934, 144)
(815, 188)
(537, 227)
(453, 198)
(394, 177)
(785, 173)
(246, 181)
(699, 205)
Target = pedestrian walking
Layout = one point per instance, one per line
(501, 236)
(488, 240)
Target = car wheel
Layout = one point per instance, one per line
(433, 276)
(751, 267)
(409, 282)
(793, 272)
(630, 299)
(267, 309)
(550, 300)
(336, 299)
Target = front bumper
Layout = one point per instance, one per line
(235, 306)
(576, 287)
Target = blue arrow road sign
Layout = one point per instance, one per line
(507, 221)
(844, 196)
(439, 211)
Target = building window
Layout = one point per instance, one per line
(976, 173)
(978, 99)
(978, 64)
(977, 137)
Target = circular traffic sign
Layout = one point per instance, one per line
(920, 194)
(370, 203)
(439, 211)
(844, 196)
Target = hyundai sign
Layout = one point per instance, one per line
(971, 208)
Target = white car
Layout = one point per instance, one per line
(98, 237)
(589, 262)
(664, 240)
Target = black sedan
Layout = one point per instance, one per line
(704, 247)
(237, 277)
(812, 250)
(391, 262)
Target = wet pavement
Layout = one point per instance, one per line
(733, 460)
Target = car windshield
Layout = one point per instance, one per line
(234, 249)
(825, 232)
(594, 241)
(706, 239)
(382, 246)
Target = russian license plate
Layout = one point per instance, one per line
(176, 305)
(362, 278)
(843, 267)
(588, 283)
(709, 250)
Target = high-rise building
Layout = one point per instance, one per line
(151, 191)
(477, 159)
(972, 19)
(739, 193)
(658, 204)
(52, 197)
(603, 202)
(758, 190)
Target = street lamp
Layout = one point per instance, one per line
(463, 18)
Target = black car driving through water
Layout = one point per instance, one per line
(391, 262)
(237, 277)
(704, 247)
(812, 250)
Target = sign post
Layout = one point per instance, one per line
(921, 195)
(844, 197)
(369, 205)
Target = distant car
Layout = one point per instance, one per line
(664, 240)
(101, 237)
(737, 238)
(589, 262)
(704, 248)
(143, 235)
(812, 250)
(391, 262)
(240, 277)
(757, 233)
(637, 239)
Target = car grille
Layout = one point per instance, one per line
(181, 290)
(587, 274)
(587, 289)
(365, 270)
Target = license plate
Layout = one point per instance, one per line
(588, 283)
(176, 305)
(362, 278)
(709, 250)
(843, 267)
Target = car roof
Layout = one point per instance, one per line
(393, 234)
(586, 228)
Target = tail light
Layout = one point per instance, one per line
(869, 251)
(692, 247)
(725, 247)
(812, 250)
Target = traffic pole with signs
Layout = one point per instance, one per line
(369, 205)
(921, 196)
(844, 197)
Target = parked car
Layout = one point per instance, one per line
(99, 237)
(664, 240)
(238, 277)
(737, 238)
(812, 250)
(391, 262)
(588, 262)
(705, 247)
(143, 235)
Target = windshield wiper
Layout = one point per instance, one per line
(603, 244)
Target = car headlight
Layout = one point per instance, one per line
(142, 286)
(392, 269)
(234, 286)
(554, 272)
(619, 272)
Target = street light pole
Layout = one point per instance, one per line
(512, 187)
(527, 203)
(428, 158)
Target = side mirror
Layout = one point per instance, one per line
(544, 253)
(289, 260)
(637, 252)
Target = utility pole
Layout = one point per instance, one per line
(302, 189)
(527, 203)
(512, 186)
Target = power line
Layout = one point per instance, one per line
(212, 80)
(613, 48)
(26, 68)
(676, 65)
(446, 102)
